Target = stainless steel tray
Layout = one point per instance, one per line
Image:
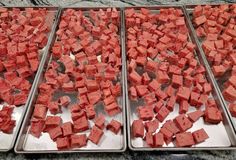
(8, 140)
(218, 81)
(110, 142)
(221, 136)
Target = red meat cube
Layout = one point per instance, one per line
(76, 115)
(114, 126)
(158, 106)
(194, 98)
(67, 129)
(183, 123)
(81, 124)
(151, 126)
(162, 114)
(137, 128)
(116, 90)
(20, 99)
(170, 91)
(92, 85)
(218, 70)
(149, 139)
(200, 135)
(95, 135)
(135, 78)
(68, 87)
(145, 113)
(154, 85)
(232, 109)
(213, 115)
(200, 20)
(194, 116)
(90, 111)
(171, 103)
(109, 100)
(40, 111)
(112, 109)
(54, 108)
(151, 66)
(78, 140)
(64, 101)
(52, 122)
(158, 139)
(160, 94)
(184, 139)
(207, 88)
(145, 78)
(177, 81)
(229, 93)
(183, 93)
(171, 126)
(141, 90)
(183, 106)
(36, 127)
(167, 134)
(94, 97)
(55, 133)
(63, 143)
(100, 121)
(162, 77)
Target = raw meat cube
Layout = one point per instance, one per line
(151, 126)
(149, 139)
(158, 139)
(183, 122)
(200, 135)
(194, 116)
(162, 114)
(63, 143)
(55, 133)
(100, 121)
(184, 139)
(40, 111)
(78, 140)
(95, 135)
(81, 124)
(213, 115)
(114, 126)
(67, 129)
(138, 128)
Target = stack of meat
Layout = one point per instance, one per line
(216, 26)
(86, 62)
(164, 73)
(23, 33)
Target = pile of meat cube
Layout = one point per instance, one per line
(216, 26)
(164, 73)
(23, 33)
(86, 62)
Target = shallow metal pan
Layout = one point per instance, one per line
(220, 80)
(221, 136)
(8, 140)
(110, 142)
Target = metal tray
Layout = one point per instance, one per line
(8, 140)
(221, 136)
(220, 80)
(110, 142)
